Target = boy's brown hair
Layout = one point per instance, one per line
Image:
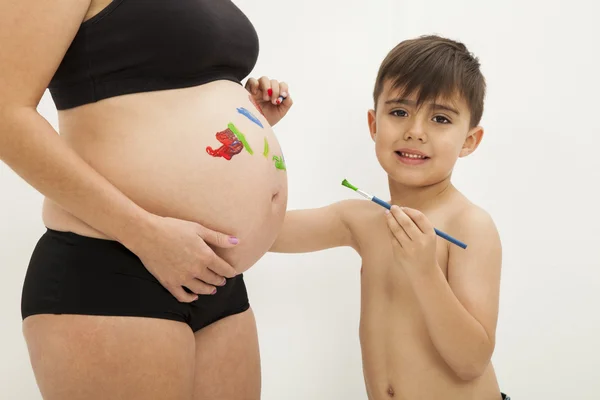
(434, 67)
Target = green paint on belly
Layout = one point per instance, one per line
(279, 163)
(266, 150)
(240, 137)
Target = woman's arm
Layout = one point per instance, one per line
(34, 36)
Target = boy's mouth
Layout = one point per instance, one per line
(411, 157)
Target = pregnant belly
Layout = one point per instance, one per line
(203, 154)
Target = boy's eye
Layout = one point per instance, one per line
(441, 119)
(399, 113)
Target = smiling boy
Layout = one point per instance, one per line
(429, 308)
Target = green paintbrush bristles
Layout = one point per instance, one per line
(349, 185)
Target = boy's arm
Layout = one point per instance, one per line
(461, 313)
(315, 229)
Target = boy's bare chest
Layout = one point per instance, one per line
(378, 263)
(391, 315)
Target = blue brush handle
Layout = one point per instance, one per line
(437, 231)
(450, 239)
(381, 202)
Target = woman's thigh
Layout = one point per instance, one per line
(95, 357)
(228, 360)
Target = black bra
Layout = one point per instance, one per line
(136, 46)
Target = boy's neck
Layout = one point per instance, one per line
(419, 198)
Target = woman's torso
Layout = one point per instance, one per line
(153, 147)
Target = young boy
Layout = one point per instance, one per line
(429, 308)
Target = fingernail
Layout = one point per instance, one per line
(284, 94)
(233, 240)
(270, 92)
(224, 282)
(195, 298)
(387, 211)
(214, 291)
(278, 102)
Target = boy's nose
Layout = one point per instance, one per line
(416, 132)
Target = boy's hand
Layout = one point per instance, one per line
(266, 93)
(414, 239)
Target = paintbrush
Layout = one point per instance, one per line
(388, 206)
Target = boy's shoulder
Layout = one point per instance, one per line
(362, 217)
(472, 222)
(460, 217)
(359, 210)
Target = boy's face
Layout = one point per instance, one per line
(419, 146)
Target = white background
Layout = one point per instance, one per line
(535, 172)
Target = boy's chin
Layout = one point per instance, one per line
(413, 178)
(407, 181)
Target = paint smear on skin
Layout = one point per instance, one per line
(250, 116)
(231, 145)
(253, 101)
(279, 162)
(266, 150)
(240, 136)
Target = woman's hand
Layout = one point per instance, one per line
(176, 253)
(272, 98)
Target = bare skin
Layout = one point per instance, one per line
(227, 361)
(136, 358)
(144, 178)
(400, 361)
(428, 309)
(394, 332)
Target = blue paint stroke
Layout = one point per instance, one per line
(250, 116)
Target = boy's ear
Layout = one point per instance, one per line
(372, 123)
(472, 141)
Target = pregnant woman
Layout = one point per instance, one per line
(165, 184)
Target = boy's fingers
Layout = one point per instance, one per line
(419, 219)
(396, 229)
(404, 220)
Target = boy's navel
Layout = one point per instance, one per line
(391, 391)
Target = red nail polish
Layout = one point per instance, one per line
(270, 92)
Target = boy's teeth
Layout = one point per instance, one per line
(410, 155)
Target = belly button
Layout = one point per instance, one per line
(274, 197)
(390, 391)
